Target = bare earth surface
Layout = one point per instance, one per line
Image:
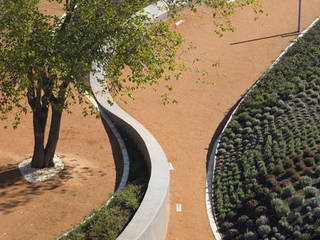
(46, 210)
(185, 130)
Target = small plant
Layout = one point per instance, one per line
(314, 202)
(288, 163)
(309, 161)
(310, 191)
(262, 220)
(317, 213)
(260, 210)
(288, 191)
(305, 236)
(264, 230)
(297, 200)
(243, 219)
(250, 236)
(278, 169)
(305, 181)
(290, 172)
(281, 208)
(271, 181)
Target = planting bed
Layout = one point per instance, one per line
(111, 219)
(266, 180)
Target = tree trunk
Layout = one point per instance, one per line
(53, 137)
(40, 116)
(43, 156)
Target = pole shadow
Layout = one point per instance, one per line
(289, 34)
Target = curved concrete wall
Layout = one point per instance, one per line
(151, 219)
(212, 162)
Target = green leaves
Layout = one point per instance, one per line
(45, 58)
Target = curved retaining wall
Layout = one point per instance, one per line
(212, 162)
(151, 219)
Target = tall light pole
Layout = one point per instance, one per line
(299, 16)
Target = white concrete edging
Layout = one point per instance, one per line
(212, 162)
(151, 219)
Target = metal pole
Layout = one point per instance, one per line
(299, 16)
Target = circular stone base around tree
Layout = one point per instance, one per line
(34, 175)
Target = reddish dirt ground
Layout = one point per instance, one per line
(46, 210)
(185, 130)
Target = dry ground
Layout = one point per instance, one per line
(46, 210)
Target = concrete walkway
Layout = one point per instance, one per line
(185, 130)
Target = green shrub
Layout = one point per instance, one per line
(305, 181)
(235, 126)
(288, 191)
(281, 208)
(243, 117)
(278, 189)
(278, 169)
(297, 158)
(297, 200)
(309, 161)
(262, 220)
(305, 236)
(317, 232)
(260, 210)
(130, 198)
(243, 219)
(251, 204)
(109, 221)
(310, 191)
(250, 236)
(232, 232)
(264, 230)
(297, 234)
(317, 158)
(271, 181)
(314, 202)
(288, 163)
(317, 213)
(290, 172)
(226, 225)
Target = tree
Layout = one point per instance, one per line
(44, 60)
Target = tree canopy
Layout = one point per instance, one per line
(44, 60)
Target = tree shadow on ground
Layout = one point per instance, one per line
(15, 191)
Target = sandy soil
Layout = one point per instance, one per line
(46, 210)
(185, 130)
